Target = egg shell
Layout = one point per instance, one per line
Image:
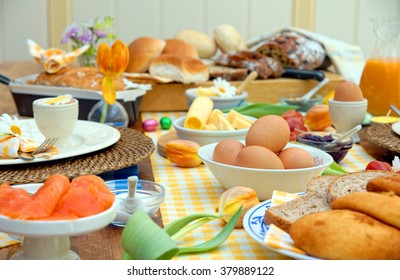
(258, 157)
(271, 132)
(348, 91)
(226, 151)
(293, 158)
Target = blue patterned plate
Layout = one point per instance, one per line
(253, 223)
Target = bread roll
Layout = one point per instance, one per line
(385, 184)
(345, 234)
(179, 68)
(228, 39)
(180, 47)
(141, 52)
(384, 207)
(204, 44)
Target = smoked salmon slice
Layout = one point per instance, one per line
(88, 195)
(12, 200)
(45, 200)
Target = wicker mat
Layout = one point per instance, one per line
(383, 136)
(132, 148)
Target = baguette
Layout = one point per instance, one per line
(353, 182)
(385, 184)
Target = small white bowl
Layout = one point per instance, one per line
(204, 137)
(219, 102)
(265, 181)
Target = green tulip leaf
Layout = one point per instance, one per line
(334, 169)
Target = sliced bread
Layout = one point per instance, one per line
(320, 184)
(353, 182)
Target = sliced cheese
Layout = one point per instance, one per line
(199, 112)
(206, 91)
(223, 124)
(210, 126)
(213, 119)
(232, 114)
(239, 123)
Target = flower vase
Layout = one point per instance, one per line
(114, 115)
(87, 60)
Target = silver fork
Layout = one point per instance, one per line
(42, 147)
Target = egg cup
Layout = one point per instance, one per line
(56, 121)
(347, 114)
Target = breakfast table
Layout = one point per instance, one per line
(188, 191)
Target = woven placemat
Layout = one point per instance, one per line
(383, 136)
(132, 148)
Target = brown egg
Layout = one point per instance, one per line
(258, 157)
(271, 132)
(348, 91)
(227, 150)
(293, 158)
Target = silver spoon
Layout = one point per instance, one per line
(313, 91)
(345, 135)
(394, 108)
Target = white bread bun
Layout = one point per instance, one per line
(204, 44)
(180, 47)
(228, 39)
(141, 52)
(179, 68)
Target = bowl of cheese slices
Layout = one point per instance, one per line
(205, 124)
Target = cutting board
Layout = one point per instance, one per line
(163, 140)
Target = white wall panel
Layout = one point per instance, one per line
(21, 20)
(84, 11)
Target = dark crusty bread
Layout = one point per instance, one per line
(382, 206)
(353, 182)
(345, 234)
(227, 73)
(293, 50)
(385, 184)
(284, 215)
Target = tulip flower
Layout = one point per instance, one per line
(183, 153)
(112, 62)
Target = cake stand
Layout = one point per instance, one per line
(50, 240)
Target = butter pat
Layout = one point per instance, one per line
(385, 119)
(199, 112)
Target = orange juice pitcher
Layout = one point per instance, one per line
(380, 80)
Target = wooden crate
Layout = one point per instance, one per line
(171, 97)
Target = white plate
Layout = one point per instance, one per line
(253, 223)
(396, 128)
(86, 138)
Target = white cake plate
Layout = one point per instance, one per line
(50, 240)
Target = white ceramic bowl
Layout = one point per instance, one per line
(204, 137)
(219, 102)
(265, 181)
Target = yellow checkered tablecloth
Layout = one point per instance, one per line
(196, 190)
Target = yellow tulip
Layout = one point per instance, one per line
(183, 153)
(112, 62)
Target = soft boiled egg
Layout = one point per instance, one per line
(348, 91)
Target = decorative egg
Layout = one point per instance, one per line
(165, 123)
(150, 125)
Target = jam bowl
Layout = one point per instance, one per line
(322, 141)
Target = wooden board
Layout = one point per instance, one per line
(163, 140)
(171, 97)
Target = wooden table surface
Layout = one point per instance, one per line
(105, 244)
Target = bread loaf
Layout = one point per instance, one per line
(228, 38)
(293, 50)
(83, 77)
(204, 44)
(180, 47)
(141, 52)
(252, 61)
(385, 184)
(353, 182)
(384, 207)
(227, 73)
(345, 234)
(179, 68)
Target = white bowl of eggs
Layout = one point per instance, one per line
(265, 161)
